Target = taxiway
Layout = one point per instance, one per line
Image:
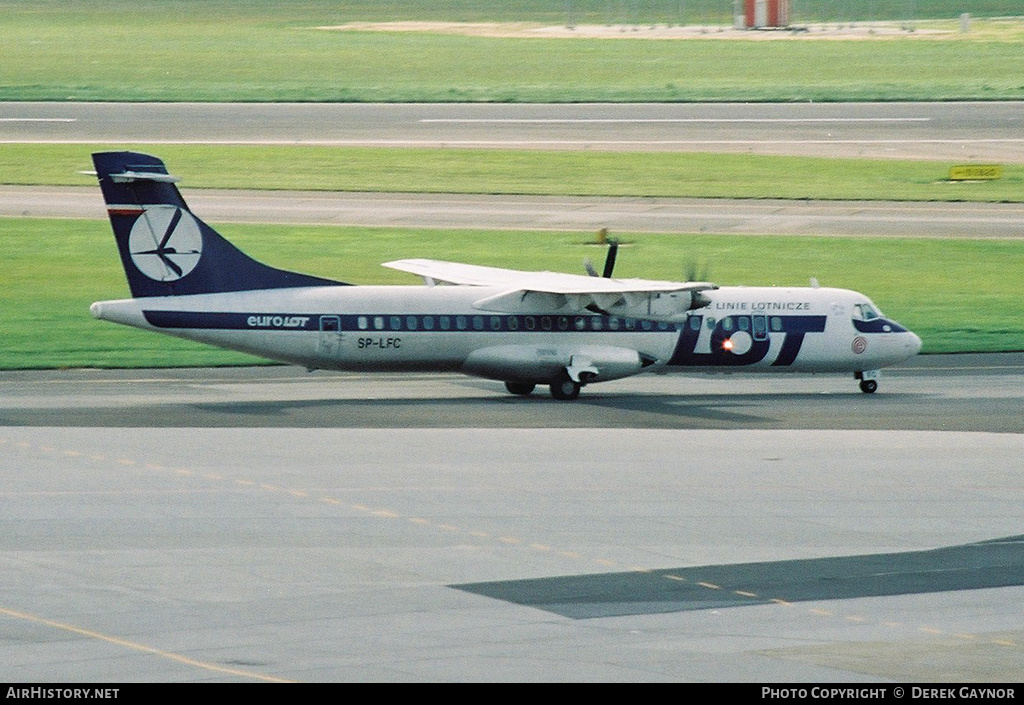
(265, 524)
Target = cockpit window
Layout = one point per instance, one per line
(865, 312)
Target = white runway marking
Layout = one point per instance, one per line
(38, 119)
(585, 121)
(514, 143)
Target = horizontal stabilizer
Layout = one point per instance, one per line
(126, 177)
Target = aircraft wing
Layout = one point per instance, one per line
(544, 282)
(572, 291)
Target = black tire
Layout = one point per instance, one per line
(565, 389)
(522, 389)
(868, 386)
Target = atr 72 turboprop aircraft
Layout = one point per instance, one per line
(520, 328)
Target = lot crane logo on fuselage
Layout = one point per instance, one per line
(165, 243)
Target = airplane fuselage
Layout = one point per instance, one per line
(436, 328)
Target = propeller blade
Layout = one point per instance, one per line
(609, 262)
(694, 273)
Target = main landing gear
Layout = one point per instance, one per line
(522, 389)
(562, 387)
(868, 380)
(567, 382)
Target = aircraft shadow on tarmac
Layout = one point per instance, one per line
(757, 411)
(495, 411)
(641, 410)
(987, 564)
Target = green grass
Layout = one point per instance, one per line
(53, 270)
(265, 51)
(540, 11)
(666, 174)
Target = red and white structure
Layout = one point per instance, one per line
(756, 14)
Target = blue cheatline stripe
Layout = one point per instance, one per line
(380, 322)
(232, 321)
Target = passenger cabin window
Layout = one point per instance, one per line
(760, 328)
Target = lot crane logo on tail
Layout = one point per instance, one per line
(165, 243)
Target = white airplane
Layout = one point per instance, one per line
(520, 328)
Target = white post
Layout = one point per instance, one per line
(760, 13)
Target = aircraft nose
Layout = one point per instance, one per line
(914, 343)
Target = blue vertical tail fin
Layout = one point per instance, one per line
(165, 249)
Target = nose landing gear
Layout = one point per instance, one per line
(868, 380)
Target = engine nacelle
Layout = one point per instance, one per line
(538, 363)
(671, 306)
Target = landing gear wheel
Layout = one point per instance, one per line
(523, 389)
(868, 386)
(565, 389)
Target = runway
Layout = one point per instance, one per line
(949, 131)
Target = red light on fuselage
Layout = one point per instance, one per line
(727, 345)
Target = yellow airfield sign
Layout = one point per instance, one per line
(975, 172)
